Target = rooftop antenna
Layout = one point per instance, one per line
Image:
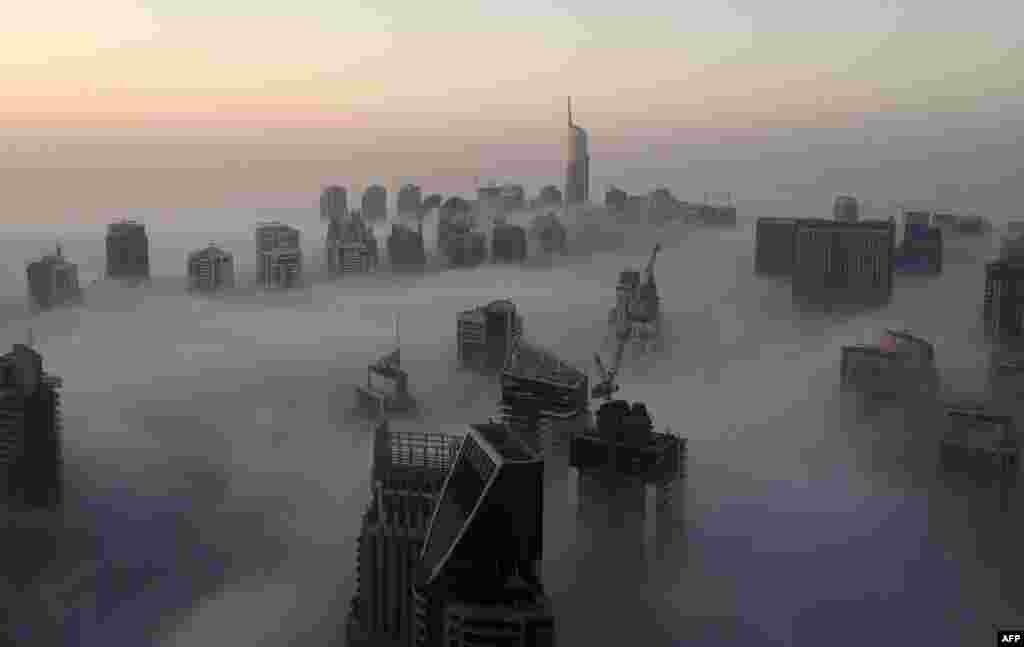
(31, 338)
(569, 107)
(58, 249)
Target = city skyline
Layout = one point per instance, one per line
(121, 99)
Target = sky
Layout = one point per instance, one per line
(188, 104)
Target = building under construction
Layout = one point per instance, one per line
(619, 442)
(488, 334)
(508, 243)
(408, 473)
(127, 250)
(1003, 308)
(775, 246)
(537, 386)
(280, 255)
(52, 281)
(30, 430)
(478, 579)
(210, 268)
(637, 310)
(844, 263)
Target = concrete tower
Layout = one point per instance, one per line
(577, 169)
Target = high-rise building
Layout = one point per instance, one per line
(30, 428)
(536, 387)
(577, 169)
(210, 268)
(615, 199)
(280, 255)
(549, 195)
(508, 243)
(513, 196)
(844, 263)
(478, 580)
(333, 203)
(487, 335)
(351, 245)
(52, 280)
(1004, 300)
(410, 198)
(409, 470)
(375, 203)
(775, 246)
(127, 250)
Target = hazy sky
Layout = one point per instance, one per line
(127, 103)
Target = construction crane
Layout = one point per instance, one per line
(607, 386)
(649, 270)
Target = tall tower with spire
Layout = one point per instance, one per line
(577, 168)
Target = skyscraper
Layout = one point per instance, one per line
(127, 250)
(410, 197)
(52, 280)
(30, 425)
(210, 268)
(333, 203)
(375, 203)
(478, 580)
(577, 169)
(280, 254)
(409, 469)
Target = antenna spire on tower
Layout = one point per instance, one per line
(569, 106)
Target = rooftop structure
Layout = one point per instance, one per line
(52, 281)
(845, 208)
(536, 385)
(210, 268)
(127, 250)
(843, 263)
(898, 364)
(486, 335)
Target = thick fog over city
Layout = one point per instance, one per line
(385, 324)
(215, 466)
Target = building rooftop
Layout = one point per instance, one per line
(532, 362)
(505, 442)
